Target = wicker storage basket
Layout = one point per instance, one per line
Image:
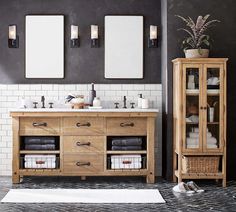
(200, 164)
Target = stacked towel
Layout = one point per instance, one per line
(193, 139)
(40, 143)
(126, 162)
(127, 143)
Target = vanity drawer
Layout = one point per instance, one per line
(83, 163)
(126, 126)
(83, 126)
(39, 126)
(84, 144)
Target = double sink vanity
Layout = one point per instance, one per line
(83, 141)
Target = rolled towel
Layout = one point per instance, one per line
(211, 140)
(126, 141)
(209, 135)
(126, 147)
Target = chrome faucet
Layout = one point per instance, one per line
(124, 102)
(43, 101)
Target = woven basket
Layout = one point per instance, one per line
(202, 164)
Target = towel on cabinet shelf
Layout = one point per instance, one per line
(126, 147)
(40, 147)
(39, 140)
(127, 141)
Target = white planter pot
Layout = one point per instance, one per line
(196, 53)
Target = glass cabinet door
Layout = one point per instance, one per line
(192, 118)
(213, 107)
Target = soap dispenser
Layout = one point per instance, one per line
(92, 95)
(140, 100)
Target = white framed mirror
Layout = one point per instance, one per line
(123, 47)
(44, 46)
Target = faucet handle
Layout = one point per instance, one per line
(132, 104)
(51, 104)
(116, 105)
(35, 104)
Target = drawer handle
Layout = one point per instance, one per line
(83, 144)
(41, 124)
(127, 124)
(83, 164)
(83, 125)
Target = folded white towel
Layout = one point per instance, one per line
(213, 146)
(211, 140)
(194, 135)
(191, 141)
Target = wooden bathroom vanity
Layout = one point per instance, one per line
(84, 141)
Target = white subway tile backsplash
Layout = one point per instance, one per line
(108, 93)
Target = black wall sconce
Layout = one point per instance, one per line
(94, 36)
(152, 40)
(74, 39)
(13, 38)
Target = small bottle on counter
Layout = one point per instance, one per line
(140, 100)
(145, 104)
(96, 102)
(92, 95)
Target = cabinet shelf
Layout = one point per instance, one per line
(195, 92)
(218, 175)
(199, 153)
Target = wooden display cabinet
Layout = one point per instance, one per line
(199, 110)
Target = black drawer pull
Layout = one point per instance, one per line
(41, 124)
(83, 164)
(83, 125)
(83, 144)
(127, 124)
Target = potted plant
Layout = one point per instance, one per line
(197, 43)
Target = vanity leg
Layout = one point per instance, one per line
(150, 178)
(15, 178)
(83, 177)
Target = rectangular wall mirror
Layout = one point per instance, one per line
(124, 47)
(44, 46)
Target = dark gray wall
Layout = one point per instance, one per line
(85, 64)
(224, 35)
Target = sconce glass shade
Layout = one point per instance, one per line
(74, 32)
(94, 36)
(94, 31)
(74, 36)
(12, 32)
(153, 32)
(13, 39)
(153, 39)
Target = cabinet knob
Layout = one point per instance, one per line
(201, 108)
(83, 144)
(41, 124)
(83, 164)
(127, 124)
(83, 125)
